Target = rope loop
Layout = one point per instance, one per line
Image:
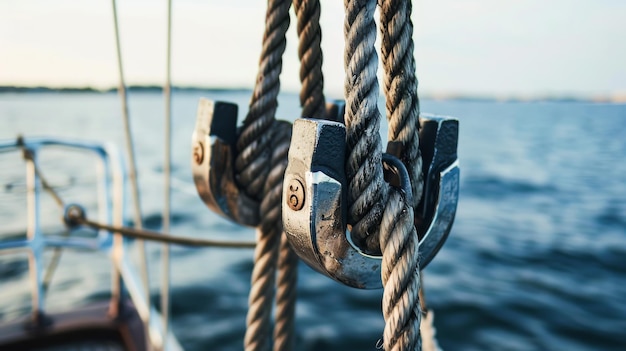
(364, 171)
(382, 217)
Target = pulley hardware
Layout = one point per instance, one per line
(317, 230)
(212, 163)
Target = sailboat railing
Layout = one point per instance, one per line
(112, 178)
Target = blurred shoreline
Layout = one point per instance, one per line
(619, 98)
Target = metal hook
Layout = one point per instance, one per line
(316, 228)
(212, 163)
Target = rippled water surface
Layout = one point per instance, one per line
(536, 259)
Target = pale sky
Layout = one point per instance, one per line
(488, 47)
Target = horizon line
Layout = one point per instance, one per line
(563, 97)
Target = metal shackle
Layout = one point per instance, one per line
(212, 163)
(317, 229)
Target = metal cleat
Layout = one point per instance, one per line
(213, 160)
(315, 191)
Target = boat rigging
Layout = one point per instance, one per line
(321, 189)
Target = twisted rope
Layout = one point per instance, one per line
(310, 54)
(260, 299)
(367, 192)
(266, 257)
(287, 258)
(313, 103)
(394, 234)
(398, 240)
(400, 275)
(253, 168)
(260, 167)
(400, 86)
(284, 330)
(253, 145)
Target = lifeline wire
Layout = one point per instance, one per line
(166, 238)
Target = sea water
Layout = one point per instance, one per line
(536, 259)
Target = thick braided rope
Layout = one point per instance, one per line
(310, 53)
(400, 275)
(268, 239)
(253, 151)
(313, 103)
(400, 87)
(255, 172)
(367, 191)
(258, 320)
(398, 240)
(284, 329)
(287, 259)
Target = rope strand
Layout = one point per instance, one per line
(258, 319)
(367, 191)
(261, 175)
(284, 331)
(400, 275)
(287, 259)
(253, 145)
(310, 54)
(400, 86)
(399, 241)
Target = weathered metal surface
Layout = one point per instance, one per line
(317, 230)
(213, 156)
